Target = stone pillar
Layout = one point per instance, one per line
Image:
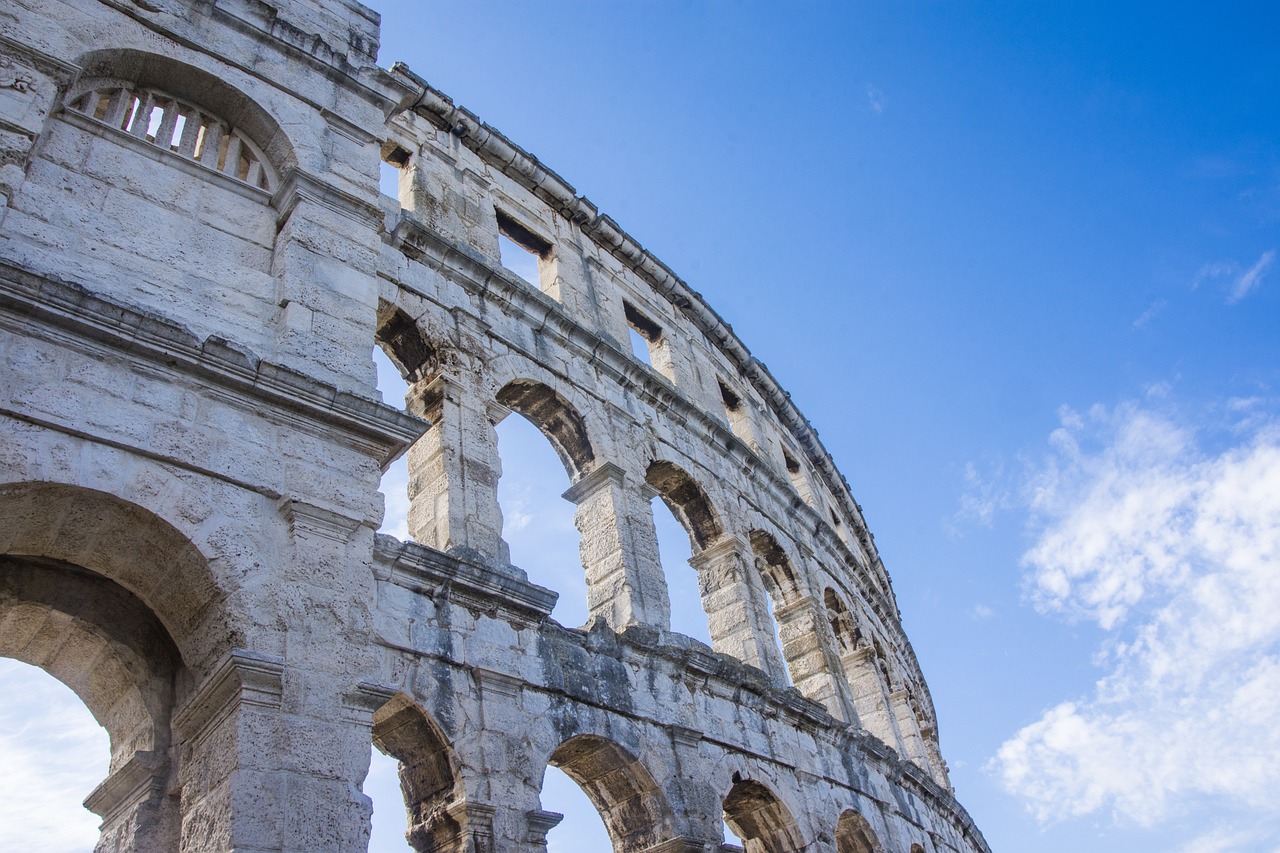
(804, 633)
(625, 584)
(937, 764)
(453, 473)
(734, 602)
(138, 815)
(257, 777)
(869, 695)
(909, 729)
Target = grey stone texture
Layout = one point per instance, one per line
(195, 265)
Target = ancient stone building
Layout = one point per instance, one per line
(195, 264)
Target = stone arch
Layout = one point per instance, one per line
(775, 566)
(633, 806)
(105, 596)
(854, 835)
(845, 628)
(137, 68)
(405, 345)
(99, 640)
(555, 418)
(124, 543)
(760, 819)
(687, 500)
(430, 780)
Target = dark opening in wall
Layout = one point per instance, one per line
(732, 402)
(648, 343)
(525, 254)
(793, 467)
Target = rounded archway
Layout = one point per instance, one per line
(854, 835)
(106, 645)
(760, 819)
(429, 779)
(630, 802)
(130, 546)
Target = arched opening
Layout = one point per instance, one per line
(558, 421)
(630, 803)
(687, 502)
(232, 108)
(756, 815)
(394, 484)
(389, 832)
(917, 848)
(779, 581)
(674, 553)
(110, 650)
(52, 754)
(542, 528)
(854, 835)
(429, 783)
(682, 512)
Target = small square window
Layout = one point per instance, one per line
(525, 253)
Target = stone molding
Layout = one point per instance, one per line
(139, 779)
(243, 678)
(308, 518)
(67, 307)
(604, 475)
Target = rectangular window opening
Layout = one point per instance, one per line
(522, 251)
(394, 160)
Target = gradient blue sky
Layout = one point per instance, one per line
(1017, 263)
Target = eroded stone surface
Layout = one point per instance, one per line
(195, 263)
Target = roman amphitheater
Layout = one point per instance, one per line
(196, 263)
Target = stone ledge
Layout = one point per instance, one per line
(73, 308)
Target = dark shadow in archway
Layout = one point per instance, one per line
(687, 502)
(631, 804)
(428, 772)
(758, 817)
(854, 835)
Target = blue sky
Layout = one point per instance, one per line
(1017, 263)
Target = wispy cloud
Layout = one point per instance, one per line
(1174, 552)
(1252, 277)
(982, 613)
(875, 97)
(52, 754)
(986, 493)
(1147, 316)
(1240, 282)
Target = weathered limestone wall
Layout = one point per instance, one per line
(195, 263)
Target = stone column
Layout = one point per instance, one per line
(869, 695)
(909, 729)
(734, 602)
(805, 637)
(453, 473)
(619, 547)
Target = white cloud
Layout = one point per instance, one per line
(1175, 552)
(52, 754)
(1147, 316)
(875, 97)
(982, 612)
(1241, 281)
(1251, 278)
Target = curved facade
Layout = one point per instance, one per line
(195, 264)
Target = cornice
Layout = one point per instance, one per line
(70, 308)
